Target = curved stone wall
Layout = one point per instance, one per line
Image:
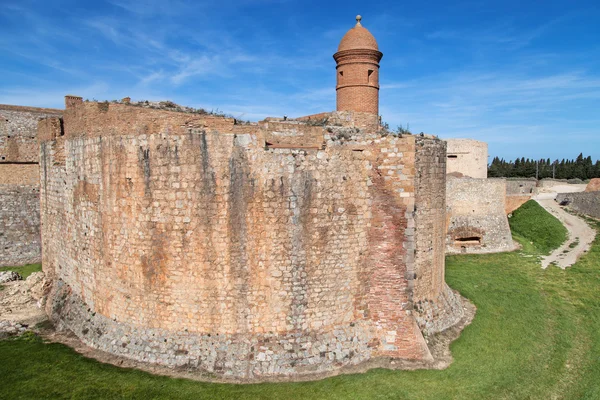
(181, 245)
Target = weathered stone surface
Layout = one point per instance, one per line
(477, 221)
(11, 328)
(518, 187)
(514, 202)
(587, 203)
(593, 186)
(172, 242)
(18, 132)
(21, 301)
(19, 224)
(467, 157)
(9, 276)
(19, 184)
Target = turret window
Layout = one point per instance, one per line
(369, 76)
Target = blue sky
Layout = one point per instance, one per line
(523, 76)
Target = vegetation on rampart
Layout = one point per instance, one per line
(537, 227)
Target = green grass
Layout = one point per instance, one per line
(536, 335)
(24, 270)
(537, 227)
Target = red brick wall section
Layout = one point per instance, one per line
(391, 244)
(358, 87)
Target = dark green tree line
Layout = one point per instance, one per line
(581, 168)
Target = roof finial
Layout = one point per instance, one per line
(358, 19)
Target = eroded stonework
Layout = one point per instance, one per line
(19, 184)
(191, 240)
(477, 221)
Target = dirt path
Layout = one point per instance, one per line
(579, 239)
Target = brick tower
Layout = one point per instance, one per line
(357, 68)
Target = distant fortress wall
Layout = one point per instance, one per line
(467, 157)
(20, 241)
(477, 221)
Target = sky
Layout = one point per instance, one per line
(523, 76)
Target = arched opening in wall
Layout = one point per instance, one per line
(340, 76)
(369, 76)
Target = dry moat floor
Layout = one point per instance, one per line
(536, 335)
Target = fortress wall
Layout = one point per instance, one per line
(477, 222)
(467, 157)
(19, 184)
(437, 308)
(517, 187)
(587, 203)
(181, 245)
(514, 202)
(518, 192)
(19, 224)
(18, 132)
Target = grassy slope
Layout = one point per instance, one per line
(536, 336)
(25, 270)
(535, 225)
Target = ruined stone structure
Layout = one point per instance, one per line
(477, 221)
(467, 157)
(357, 69)
(283, 248)
(189, 240)
(19, 184)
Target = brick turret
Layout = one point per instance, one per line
(357, 68)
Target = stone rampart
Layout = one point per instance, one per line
(19, 224)
(549, 182)
(477, 221)
(515, 201)
(518, 192)
(18, 132)
(517, 187)
(174, 240)
(587, 203)
(19, 184)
